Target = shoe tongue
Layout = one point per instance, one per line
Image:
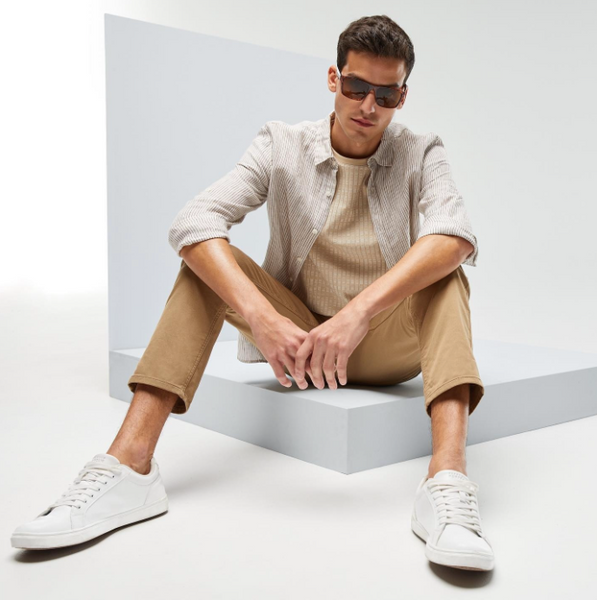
(450, 474)
(107, 459)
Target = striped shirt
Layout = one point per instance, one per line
(294, 169)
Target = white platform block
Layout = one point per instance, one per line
(355, 428)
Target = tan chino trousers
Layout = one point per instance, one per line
(428, 332)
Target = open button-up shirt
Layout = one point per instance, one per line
(292, 170)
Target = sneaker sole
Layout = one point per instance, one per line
(37, 541)
(459, 560)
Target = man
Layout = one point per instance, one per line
(351, 288)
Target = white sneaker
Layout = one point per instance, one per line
(446, 516)
(105, 495)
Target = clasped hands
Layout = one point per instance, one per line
(321, 352)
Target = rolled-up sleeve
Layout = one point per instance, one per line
(226, 202)
(440, 203)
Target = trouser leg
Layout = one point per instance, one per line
(442, 320)
(179, 349)
(428, 332)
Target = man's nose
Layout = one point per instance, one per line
(369, 102)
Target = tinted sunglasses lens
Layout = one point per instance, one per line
(357, 90)
(387, 97)
(354, 88)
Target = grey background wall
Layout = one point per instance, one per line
(507, 85)
(182, 108)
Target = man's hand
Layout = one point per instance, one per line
(278, 339)
(328, 347)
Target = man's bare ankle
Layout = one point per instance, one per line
(138, 464)
(141, 468)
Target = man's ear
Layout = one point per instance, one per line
(334, 81)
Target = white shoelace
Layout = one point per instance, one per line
(86, 483)
(456, 502)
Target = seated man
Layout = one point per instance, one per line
(351, 291)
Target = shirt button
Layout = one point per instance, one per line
(315, 231)
(292, 279)
(329, 194)
(298, 259)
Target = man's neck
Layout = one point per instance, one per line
(347, 153)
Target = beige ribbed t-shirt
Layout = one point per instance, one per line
(345, 257)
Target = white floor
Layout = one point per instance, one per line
(245, 522)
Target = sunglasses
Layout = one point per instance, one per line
(356, 89)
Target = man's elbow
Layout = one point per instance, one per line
(466, 248)
(185, 249)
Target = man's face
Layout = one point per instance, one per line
(348, 137)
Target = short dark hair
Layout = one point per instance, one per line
(378, 35)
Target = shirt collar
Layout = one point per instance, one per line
(384, 155)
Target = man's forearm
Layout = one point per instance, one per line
(427, 261)
(213, 262)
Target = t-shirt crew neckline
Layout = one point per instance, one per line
(346, 160)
